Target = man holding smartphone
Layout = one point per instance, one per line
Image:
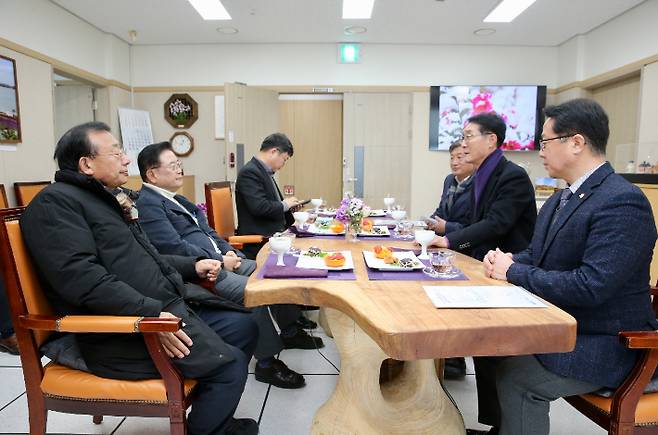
(262, 208)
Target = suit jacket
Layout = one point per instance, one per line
(460, 213)
(593, 262)
(172, 231)
(260, 210)
(505, 215)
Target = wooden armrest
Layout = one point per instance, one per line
(251, 238)
(639, 339)
(110, 324)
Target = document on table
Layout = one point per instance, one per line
(482, 297)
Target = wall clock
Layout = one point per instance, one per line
(182, 143)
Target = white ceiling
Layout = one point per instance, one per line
(545, 23)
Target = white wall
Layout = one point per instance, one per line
(313, 64)
(648, 127)
(623, 40)
(32, 158)
(50, 30)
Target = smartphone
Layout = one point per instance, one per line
(302, 203)
(429, 219)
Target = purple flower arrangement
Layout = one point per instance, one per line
(352, 211)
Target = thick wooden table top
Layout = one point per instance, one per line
(401, 319)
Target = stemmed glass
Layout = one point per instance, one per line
(388, 202)
(424, 237)
(398, 214)
(316, 202)
(300, 219)
(280, 245)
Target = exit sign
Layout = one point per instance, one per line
(349, 53)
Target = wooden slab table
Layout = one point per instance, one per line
(375, 320)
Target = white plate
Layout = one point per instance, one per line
(306, 262)
(384, 232)
(323, 232)
(327, 212)
(378, 263)
(377, 213)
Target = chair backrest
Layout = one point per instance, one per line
(27, 190)
(219, 203)
(3, 197)
(23, 289)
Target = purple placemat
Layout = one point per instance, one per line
(291, 260)
(415, 275)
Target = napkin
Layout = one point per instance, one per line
(274, 271)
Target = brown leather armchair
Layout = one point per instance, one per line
(629, 410)
(26, 190)
(59, 388)
(220, 214)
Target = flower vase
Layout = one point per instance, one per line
(351, 231)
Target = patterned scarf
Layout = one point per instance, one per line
(125, 197)
(455, 190)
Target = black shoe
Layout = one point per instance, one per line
(306, 323)
(301, 340)
(279, 375)
(455, 368)
(9, 345)
(240, 426)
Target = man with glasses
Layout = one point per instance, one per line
(176, 226)
(503, 216)
(590, 255)
(93, 258)
(260, 204)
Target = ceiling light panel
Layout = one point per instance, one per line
(357, 9)
(210, 9)
(507, 10)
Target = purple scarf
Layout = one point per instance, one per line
(484, 172)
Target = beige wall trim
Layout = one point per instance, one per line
(65, 68)
(219, 89)
(609, 77)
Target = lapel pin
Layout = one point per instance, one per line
(581, 195)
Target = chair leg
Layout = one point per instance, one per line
(38, 416)
(97, 419)
(178, 428)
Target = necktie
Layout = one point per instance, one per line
(564, 198)
(276, 187)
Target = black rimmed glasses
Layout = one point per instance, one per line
(542, 142)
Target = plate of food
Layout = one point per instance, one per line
(327, 212)
(316, 258)
(326, 228)
(377, 213)
(383, 258)
(374, 230)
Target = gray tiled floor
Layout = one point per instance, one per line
(281, 412)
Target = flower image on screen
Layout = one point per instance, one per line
(517, 105)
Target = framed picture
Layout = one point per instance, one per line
(10, 122)
(181, 111)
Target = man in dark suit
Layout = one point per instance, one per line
(502, 199)
(452, 214)
(454, 210)
(261, 207)
(92, 257)
(176, 226)
(590, 255)
(503, 216)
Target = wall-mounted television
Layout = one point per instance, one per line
(520, 106)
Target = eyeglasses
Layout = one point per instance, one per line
(174, 166)
(542, 142)
(117, 155)
(469, 136)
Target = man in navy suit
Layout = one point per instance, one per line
(589, 255)
(176, 226)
